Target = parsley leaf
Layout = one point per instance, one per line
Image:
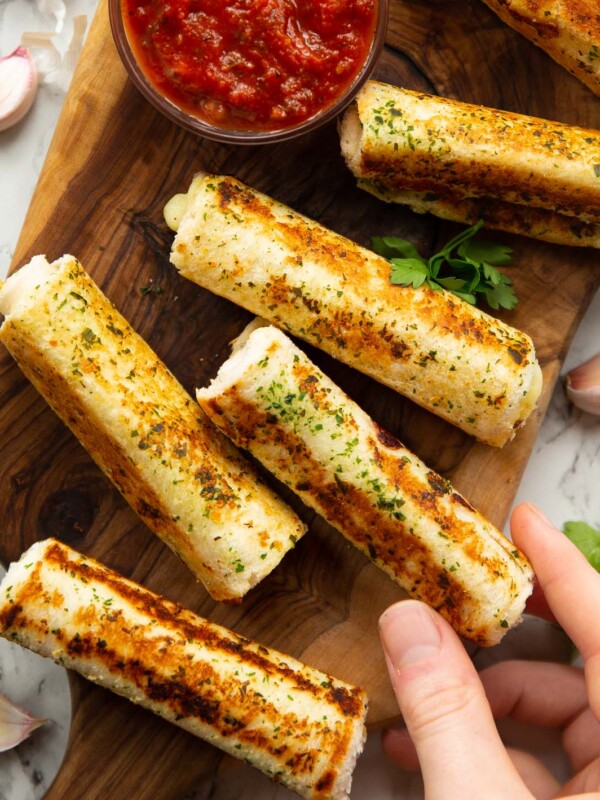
(409, 271)
(586, 539)
(453, 284)
(501, 296)
(479, 250)
(465, 266)
(390, 246)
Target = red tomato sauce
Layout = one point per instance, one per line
(258, 65)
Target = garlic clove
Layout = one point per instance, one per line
(18, 86)
(583, 385)
(56, 9)
(16, 724)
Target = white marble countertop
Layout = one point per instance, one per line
(562, 477)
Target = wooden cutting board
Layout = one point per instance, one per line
(112, 164)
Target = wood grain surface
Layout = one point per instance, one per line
(113, 163)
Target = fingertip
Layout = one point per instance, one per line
(392, 610)
(530, 530)
(570, 584)
(443, 704)
(534, 533)
(525, 518)
(410, 635)
(540, 539)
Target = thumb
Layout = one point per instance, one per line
(445, 709)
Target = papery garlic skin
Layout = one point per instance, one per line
(583, 385)
(54, 64)
(16, 724)
(18, 86)
(56, 9)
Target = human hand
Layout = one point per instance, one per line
(449, 709)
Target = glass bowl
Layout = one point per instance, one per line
(239, 135)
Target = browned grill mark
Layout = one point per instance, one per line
(441, 171)
(352, 331)
(146, 510)
(325, 783)
(188, 627)
(165, 670)
(440, 486)
(391, 543)
(458, 498)
(160, 437)
(387, 439)
(516, 355)
(546, 29)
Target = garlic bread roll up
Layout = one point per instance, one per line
(269, 398)
(296, 724)
(466, 162)
(183, 478)
(567, 30)
(449, 357)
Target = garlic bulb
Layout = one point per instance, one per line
(16, 724)
(583, 385)
(18, 86)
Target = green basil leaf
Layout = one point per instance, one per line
(586, 539)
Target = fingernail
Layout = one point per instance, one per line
(539, 514)
(409, 633)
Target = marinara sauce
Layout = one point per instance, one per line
(257, 65)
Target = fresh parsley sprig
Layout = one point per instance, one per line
(465, 266)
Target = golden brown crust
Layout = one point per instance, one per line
(466, 162)
(185, 481)
(537, 223)
(407, 519)
(337, 295)
(210, 681)
(568, 30)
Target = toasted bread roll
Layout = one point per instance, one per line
(184, 479)
(297, 724)
(467, 367)
(269, 398)
(465, 162)
(568, 30)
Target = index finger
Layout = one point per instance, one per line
(570, 585)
